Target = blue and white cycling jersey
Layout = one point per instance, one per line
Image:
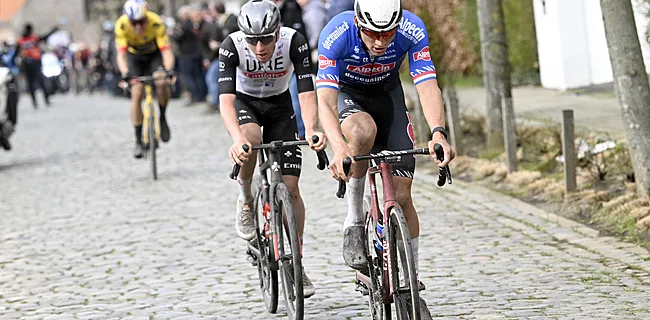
(343, 60)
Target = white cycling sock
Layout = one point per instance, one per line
(245, 190)
(355, 215)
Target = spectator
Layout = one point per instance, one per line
(190, 60)
(210, 36)
(30, 52)
(314, 14)
(291, 15)
(338, 6)
(228, 22)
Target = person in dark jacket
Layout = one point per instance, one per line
(337, 6)
(211, 35)
(186, 34)
(291, 15)
(30, 52)
(228, 22)
(314, 14)
(8, 93)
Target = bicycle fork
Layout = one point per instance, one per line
(149, 115)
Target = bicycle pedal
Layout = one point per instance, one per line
(251, 258)
(362, 289)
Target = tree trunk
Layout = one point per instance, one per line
(170, 8)
(452, 107)
(630, 84)
(496, 69)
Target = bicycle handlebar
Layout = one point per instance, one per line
(323, 161)
(444, 174)
(148, 79)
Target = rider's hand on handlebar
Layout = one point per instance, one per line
(237, 153)
(322, 141)
(336, 164)
(124, 81)
(450, 153)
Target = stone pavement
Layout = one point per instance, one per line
(597, 111)
(86, 234)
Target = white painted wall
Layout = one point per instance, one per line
(572, 47)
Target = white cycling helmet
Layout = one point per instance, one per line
(135, 9)
(378, 15)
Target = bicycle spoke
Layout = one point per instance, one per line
(268, 276)
(291, 261)
(406, 296)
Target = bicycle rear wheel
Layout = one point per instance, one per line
(152, 142)
(378, 309)
(407, 296)
(266, 266)
(290, 254)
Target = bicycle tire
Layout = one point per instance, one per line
(378, 309)
(152, 144)
(293, 291)
(401, 295)
(268, 276)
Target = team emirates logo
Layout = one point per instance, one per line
(324, 63)
(368, 69)
(422, 55)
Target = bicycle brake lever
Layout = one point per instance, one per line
(442, 172)
(323, 161)
(235, 169)
(347, 164)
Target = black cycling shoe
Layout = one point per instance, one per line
(354, 248)
(4, 142)
(165, 134)
(138, 150)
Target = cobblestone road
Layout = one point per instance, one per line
(86, 234)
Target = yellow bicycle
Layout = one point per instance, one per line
(150, 116)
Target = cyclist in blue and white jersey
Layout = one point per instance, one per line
(361, 97)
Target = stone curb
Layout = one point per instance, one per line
(582, 235)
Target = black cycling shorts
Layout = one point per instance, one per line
(388, 109)
(278, 120)
(141, 65)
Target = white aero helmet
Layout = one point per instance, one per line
(378, 15)
(135, 9)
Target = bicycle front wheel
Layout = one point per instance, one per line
(378, 308)
(290, 254)
(268, 274)
(152, 145)
(406, 295)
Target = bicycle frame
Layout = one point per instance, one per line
(147, 111)
(384, 170)
(272, 164)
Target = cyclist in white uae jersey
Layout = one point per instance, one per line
(256, 65)
(361, 98)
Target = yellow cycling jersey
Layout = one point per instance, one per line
(152, 39)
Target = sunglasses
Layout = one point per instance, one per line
(140, 22)
(378, 35)
(264, 39)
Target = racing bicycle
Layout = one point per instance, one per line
(390, 277)
(151, 133)
(276, 245)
